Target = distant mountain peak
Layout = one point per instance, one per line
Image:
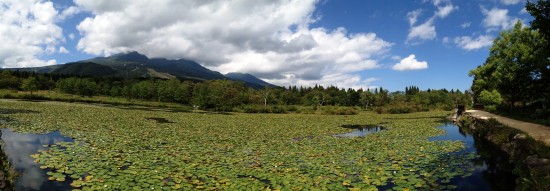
(248, 78)
(131, 56)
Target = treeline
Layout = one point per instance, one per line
(225, 95)
(516, 75)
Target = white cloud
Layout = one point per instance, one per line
(69, 12)
(466, 25)
(511, 2)
(444, 11)
(63, 50)
(27, 31)
(413, 16)
(425, 31)
(71, 36)
(410, 63)
(270, 39)
(469, 43)
(497, 19)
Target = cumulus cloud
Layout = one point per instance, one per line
(27, 31)
(410, 63)
(497, 19)
(466, 25)
(469, 43)
(270, 39)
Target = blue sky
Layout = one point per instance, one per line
(348, 43)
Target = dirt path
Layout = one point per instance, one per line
(537, 131)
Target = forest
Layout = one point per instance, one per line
(226, 95)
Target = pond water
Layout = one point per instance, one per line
(18, 147)
(361, 130)
(492, 169)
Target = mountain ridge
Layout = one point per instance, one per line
(136, 65)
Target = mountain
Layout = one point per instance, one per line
(136, 65)
(249, 79)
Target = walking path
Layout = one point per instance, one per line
(537, 131)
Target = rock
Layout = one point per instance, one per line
(520, 136)
(533, 161)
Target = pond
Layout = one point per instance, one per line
(19, 148)
(492, 170)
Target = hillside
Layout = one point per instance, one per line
(136, 65)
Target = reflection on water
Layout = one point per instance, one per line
(493, 172)
(19, 147)
(362, 130)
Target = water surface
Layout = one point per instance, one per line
(361, 130)
(18, 147)
(492, 171)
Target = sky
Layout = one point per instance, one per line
(346, 43)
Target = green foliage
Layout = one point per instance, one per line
(261, 109)
(30, 84)
(78, 86)
(335, 110)
(516, 68)
(8, 81)
(225, 95)
(541, 12)
(490, 98)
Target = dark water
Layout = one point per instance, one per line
(361, 130)
(18, 147)
(492, 169)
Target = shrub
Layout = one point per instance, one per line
(335, 110)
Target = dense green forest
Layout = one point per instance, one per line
(226, 95)
(515, 78)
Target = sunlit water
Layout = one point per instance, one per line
(18, 147)
(492, 169)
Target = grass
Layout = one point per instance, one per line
(50, 95)
(121, 149)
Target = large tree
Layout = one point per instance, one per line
(30, 84)
(541, 12)
(513, 66)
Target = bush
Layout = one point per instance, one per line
(261, 109)
(306, 110)
(33, 97)
(400, 109)
(335, 110)
(491, 108)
